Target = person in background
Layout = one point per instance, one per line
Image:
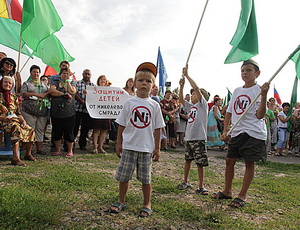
(13, 123)
(63, 112)
(8, 68)
(35, 105)
(154, 94)
(295, 142)
(129, 87)
(213, 132)
(283, 131)
(269, 118)
(2, 55)
(211, 104)
(168, 109)
(187, 97)
(83, 119)
(273, 125)
(100, 126)
(62, 65)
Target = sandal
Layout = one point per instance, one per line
(220, 196)
(69, 155)
(18, 162)
(146, 210)
(202, 191)
(183, 186)
(56, 154)
(29, 158)
(118, 205)
(237, 203)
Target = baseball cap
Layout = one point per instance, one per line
(149, 66)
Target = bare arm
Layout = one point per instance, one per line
(216, 113)
(260, 113)
(54, 92)
(227, 122)
(192, 82)
(157, 139)
(181, 84)
(119, 140)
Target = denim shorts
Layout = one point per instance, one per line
(131, 159)
(196, 150)
(247, 147)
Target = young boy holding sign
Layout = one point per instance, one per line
(249, 136)
(138, 140)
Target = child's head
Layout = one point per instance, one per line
(194, 97)
(286, 106)
(144, 79)
(250, 71)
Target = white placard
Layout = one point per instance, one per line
(105, 101)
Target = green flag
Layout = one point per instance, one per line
(296, 58)
(244, 41)
(39, 21)
(10, 35)
(293, 102)
(227, 98)
(52, 52)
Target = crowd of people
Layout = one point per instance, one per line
(174, 119)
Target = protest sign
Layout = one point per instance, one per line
(105, 102)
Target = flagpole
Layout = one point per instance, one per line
(187, 61)
(24, 64)
(255, 99)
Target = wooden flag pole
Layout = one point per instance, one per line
(187, 61)
(24, 64)
(255, 99)
(18, 76)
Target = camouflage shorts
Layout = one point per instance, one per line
(196, 150)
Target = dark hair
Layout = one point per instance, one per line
(216, 100)
(101, 76)
(66, 62)
(47, 76)
(3, 53)
(286, 104)
(12, 61)
(168, 91)
(34, 67)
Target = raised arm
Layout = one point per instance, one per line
(192, 82)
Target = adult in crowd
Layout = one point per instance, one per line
(295, 142)
(62, 65)
(12, 122)
(283, 132)
(168, 109)
(35, 105)
(211, 104)
(8, 68)
(129, 87)
(46, 79)
(83, 119)
(2, 55)
(154, 94)
(100, 126)
(214, 125)
(187, 97)
(63, 113)
(273, 125)
(269, 118)
(183, 117)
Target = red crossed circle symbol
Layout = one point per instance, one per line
(141, 117)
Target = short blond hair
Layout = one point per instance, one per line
(144, 73)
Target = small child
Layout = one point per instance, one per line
(138, 139)
(249, 136)
(195, 134)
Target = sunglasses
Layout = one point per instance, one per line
(9, 63)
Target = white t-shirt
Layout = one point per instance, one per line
(140, 116)
(280, 123)
(250, 124)
(197, 122)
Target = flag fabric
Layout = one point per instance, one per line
(277, 97)
(10, 35)
(245, 39)
(39, 21)
(293, 101)
(161, 71)
(296, 58)
(227, 98)
(49, 71)
(52, 52)
(11, 9)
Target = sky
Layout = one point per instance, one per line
(112, 37)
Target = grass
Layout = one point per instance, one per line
(55, 192)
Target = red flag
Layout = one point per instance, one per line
(11, 9)
(49, 71)
(277, 97)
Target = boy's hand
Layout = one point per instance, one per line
(182, 81)
(119, 150)
(185, 70)
(224, 136)
(156, 155)
(264, 89)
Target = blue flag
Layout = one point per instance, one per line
(161, 71)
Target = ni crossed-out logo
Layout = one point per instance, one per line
(141, 117)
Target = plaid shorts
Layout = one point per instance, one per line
(196, 150)
(131, 159)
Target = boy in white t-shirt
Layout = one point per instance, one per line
(248, 139)
(195, 133)
(138, 139)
